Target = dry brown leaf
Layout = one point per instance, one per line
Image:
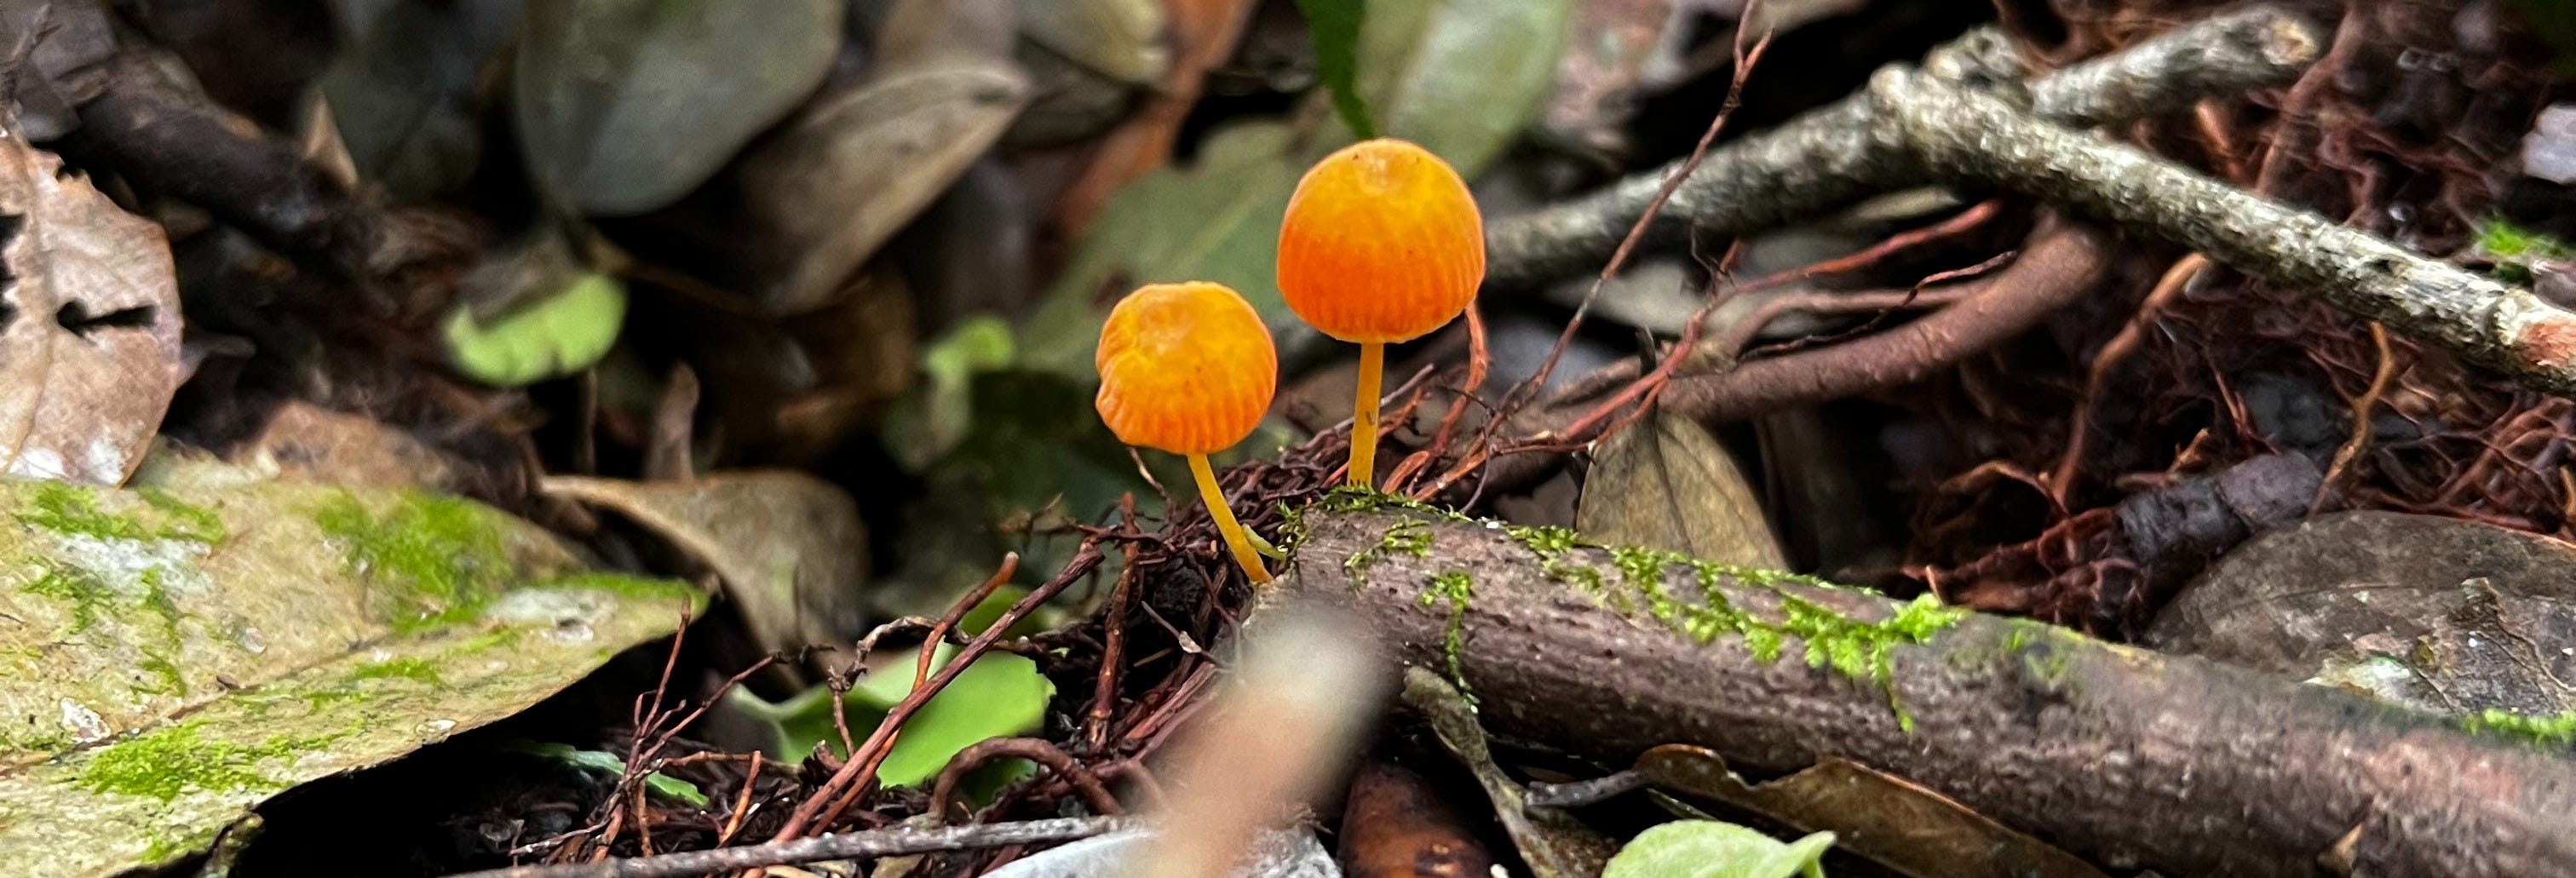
(1909, 829)
(89, 325)
(790, 548)
(1204, 35)
(1664, 483)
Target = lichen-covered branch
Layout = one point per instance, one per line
(1842, 152)
(2132, 759)
(1964, 134)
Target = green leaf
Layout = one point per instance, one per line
(175, 657)
(557, 335)
(1335, 27)
(1711, 849)
(604, 762)
(933, 419)
(1000, 695)
(1463, 78)
(1216, 220)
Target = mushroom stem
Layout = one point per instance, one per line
(1225, 523)
(1364, 416)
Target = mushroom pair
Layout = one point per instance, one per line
(1381, 244)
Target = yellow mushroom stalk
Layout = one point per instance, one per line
(1188, 368)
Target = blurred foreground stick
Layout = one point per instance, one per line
(2133, 759)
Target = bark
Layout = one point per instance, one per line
(2131, 758)
(1842, 152)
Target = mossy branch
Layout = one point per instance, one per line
(2133, 759)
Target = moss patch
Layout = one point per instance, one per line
(428, 561)
(1406, 537)
(625, 585)
(1454, 588)
(87, 594)
(182, 520)
(2557, 730)
(73, 510)
(165, 762)
(1858, 650)
(70, 509)
(413, 669)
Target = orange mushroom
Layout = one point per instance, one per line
(1188, 368)
(1381, 244)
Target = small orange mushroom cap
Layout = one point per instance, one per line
(1382, 243)
(1186, 368)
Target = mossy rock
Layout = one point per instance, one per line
(169, 659)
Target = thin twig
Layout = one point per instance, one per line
(1038, 750)
(872, 844)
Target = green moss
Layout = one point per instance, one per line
(2557, 730)
(1454, 588)
(1344, 499)
(1408, 537)
(183, 520)
(428, 561)
(1857, 650)
(159, 665)
(398, 669)
(165, 762)
(87, 594)
(627, 585)
(71, 509)
(1551, 545)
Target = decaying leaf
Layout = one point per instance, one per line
(1119, 39)
(175, 657)
(406, 95)
(1596, 80)
(89, 325)
(849, 171)
(2443, 614)
(623, 106)
(831, 187)
(789, 547)
(1085, 60)
(1664, 483)
(1908, 829)
(302, 442)
(1710, 849)
(1552, 842)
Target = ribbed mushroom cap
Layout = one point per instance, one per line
(1382, 243)
(1186, 368)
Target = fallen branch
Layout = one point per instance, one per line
(1959, 133)
(2060, 263)
(872, 844)
(1842, 152)
(2130, 758)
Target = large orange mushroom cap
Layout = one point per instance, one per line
(1186, 368)
(1382, 243)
